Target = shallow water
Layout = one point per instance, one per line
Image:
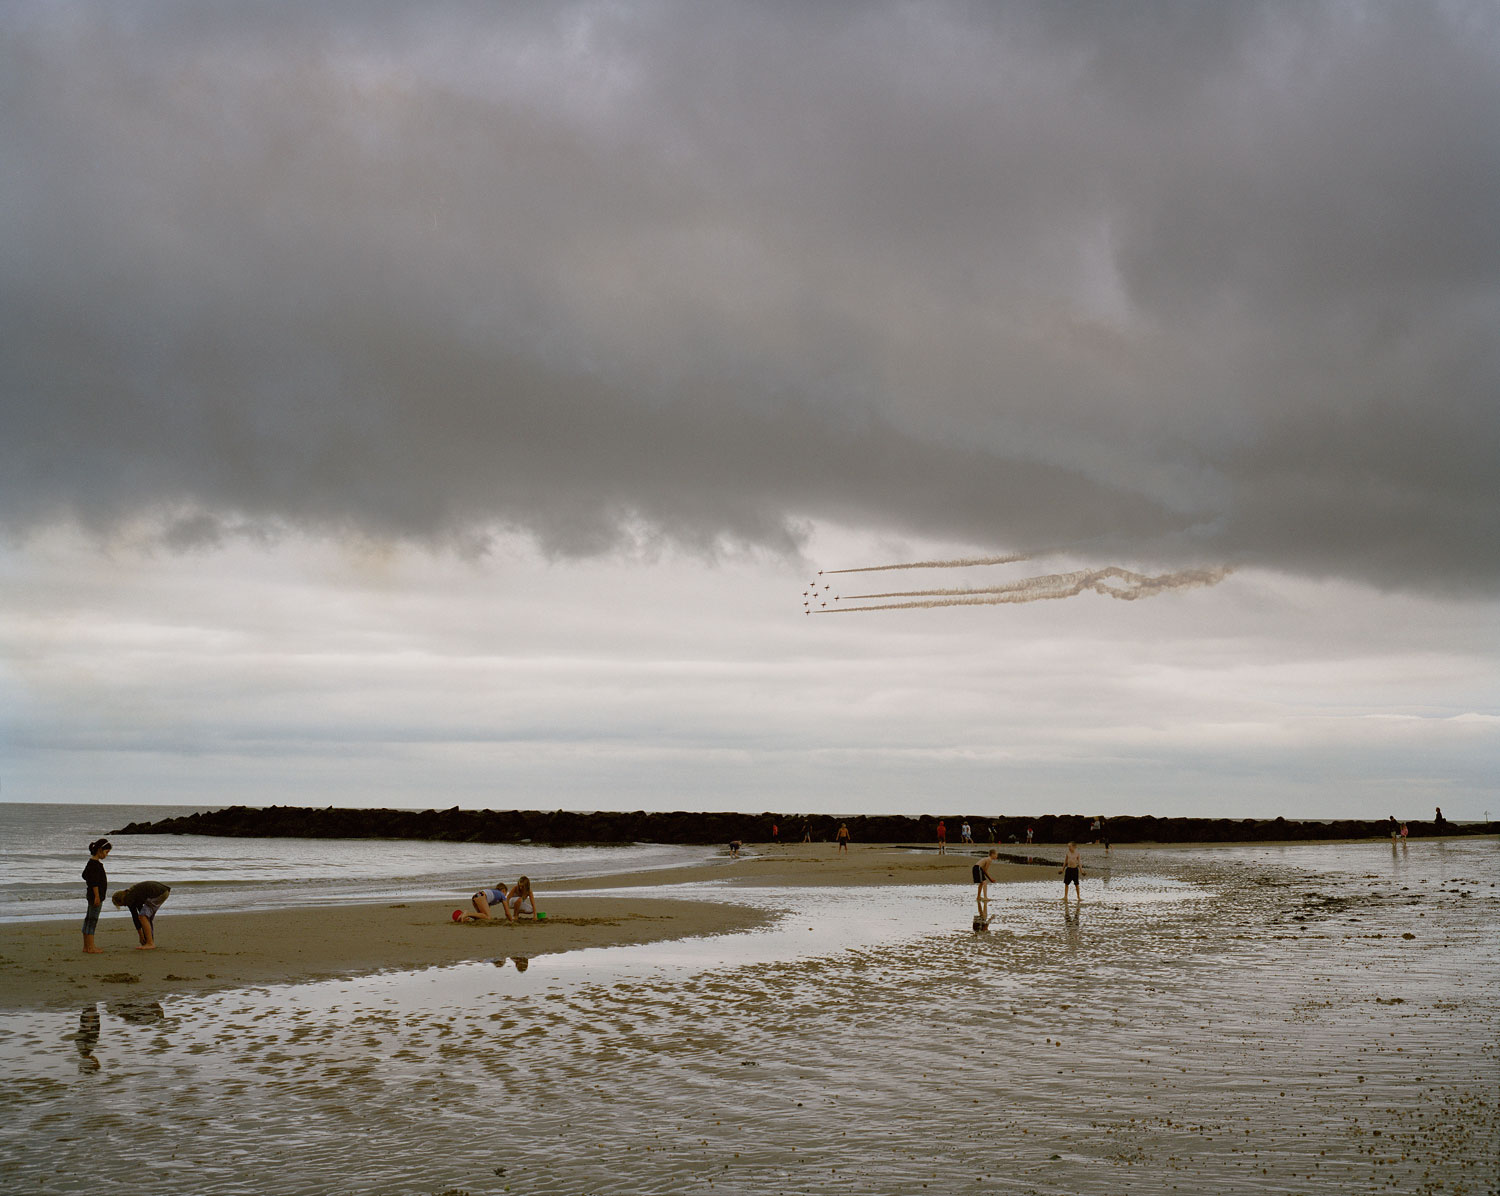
(1248, 1020)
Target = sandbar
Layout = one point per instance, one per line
(42, 965)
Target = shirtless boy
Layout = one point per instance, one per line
(1072, 870)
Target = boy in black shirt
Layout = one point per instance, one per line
(143, 900)
(95, 885)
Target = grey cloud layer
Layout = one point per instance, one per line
(1186, 281)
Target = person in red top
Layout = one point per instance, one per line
(942, 837)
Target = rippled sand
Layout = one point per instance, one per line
(1250, 1020)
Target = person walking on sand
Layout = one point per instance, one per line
(143, 900)
(983, 876)
(965, 835)
(942, 836)
(843, 838)
(95, 886)
(1072, 871)
(1028, 834)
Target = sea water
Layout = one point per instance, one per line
(1317, 1018)
(43, 849)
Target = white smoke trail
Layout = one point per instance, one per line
(962, 563)
(1113, 582)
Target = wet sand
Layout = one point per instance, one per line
(42, 965)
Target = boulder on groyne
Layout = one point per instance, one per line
(559, 827)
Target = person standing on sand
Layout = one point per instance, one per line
(843, 838)
(95, 885)
(1072, 871)
(983, 876)
(143, 900)
(965, 835)
(942, 834)
(1028, 834)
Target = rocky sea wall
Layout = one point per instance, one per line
(607, 827)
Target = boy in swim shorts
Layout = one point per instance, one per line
(1072, 871)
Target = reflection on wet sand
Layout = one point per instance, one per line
(1264, 1022)
(86, 1040)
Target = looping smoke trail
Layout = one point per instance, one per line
(1113, 582)
(964, 563)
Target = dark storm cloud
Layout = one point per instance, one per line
(1187, 281)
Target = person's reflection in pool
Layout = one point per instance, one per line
(87, 1039)
(138, 1013)
(1072, 924)
(521, 962)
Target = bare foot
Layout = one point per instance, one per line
(93, 950)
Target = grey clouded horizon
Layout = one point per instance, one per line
(1192, 284)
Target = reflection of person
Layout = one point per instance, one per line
(143, 900)
(843, 838)
(95, 885)
(484, 900)
(87, 1038)
(520, 900)
(1072, 871)
(138, 1013)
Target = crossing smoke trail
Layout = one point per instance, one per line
(963, 563)
(1113, 582)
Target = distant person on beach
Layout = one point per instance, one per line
(843, 838)
(486, 900)
(807, 833)
(143, 900)
(983, 877)
(1028, 834)
(1095, 830)
(965, 834)
(734, 848)
(774, 835)
(521, 900)
(95, 886)
(1072, 871)
(942, 836)
(1439, 819)
(1395, 829)
(1403, 834)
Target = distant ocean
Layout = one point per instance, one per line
(43, 849)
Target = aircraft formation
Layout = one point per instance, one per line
(1110, 581)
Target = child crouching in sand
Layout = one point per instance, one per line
(483, 902)
(520, 900)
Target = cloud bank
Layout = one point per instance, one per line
(1198, 283)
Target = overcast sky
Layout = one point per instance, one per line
(444, 403)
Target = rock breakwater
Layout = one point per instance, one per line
(561, 827)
